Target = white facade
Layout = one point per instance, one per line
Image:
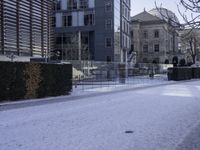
(58, 20)
(91, 3)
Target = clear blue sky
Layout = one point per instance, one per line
(139, 5)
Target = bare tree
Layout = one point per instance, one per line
(189, 28)
(192, 7)
(190, 15)
(190, 43)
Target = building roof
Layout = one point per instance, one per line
(165, 14)
(156, 15)
(144, 17)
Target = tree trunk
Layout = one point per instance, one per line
(194, 58)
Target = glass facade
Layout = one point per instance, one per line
(25, 27)
(67, 46)
(99, 23)
(71, 42)
(1, 29)
(71, 5)
(125, 26)
(117, 30)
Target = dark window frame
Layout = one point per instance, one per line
(108, 44)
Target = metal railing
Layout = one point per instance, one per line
(91, 75)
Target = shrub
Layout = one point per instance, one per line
(183, 73)
(182, 62)
(34, 80)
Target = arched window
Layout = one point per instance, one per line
(166, 61)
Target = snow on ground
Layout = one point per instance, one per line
(107, 86)
(159, 118)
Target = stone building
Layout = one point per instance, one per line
(154, 38)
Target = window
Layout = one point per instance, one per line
(53, 21)
(72, 4)
(156, 34)
(123, 11)
(132, 47)
(145, 48)
(145, 34)
(156, 61)
(108, 6)
(83, 3)
(58, 40)
(58, 5)
(108, 24)
(132, 33)
(67, 21)
(156, 47)
(108, 59)
(108, 42)
(67, 40)
(124, 26)
(64, 21)
(145, 60)
(88, 19)
(127, 28)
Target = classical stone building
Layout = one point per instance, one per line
(154, 38)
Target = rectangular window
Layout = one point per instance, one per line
(145, 60)
(67, 21)
(108, 24)
(72, 4)
(83, 4)
(53, 21)
(108, 42)
(123, 12)
(58, 5)
(156, 34)
(88, 19)
(108, 59)
(108, 6)
(132, 34)
(145, 48)
(124, 26)
(58, 40)
(64, 21)
(145, 35)
(156, 47)
(132, 47)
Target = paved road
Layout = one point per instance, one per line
(160, 118)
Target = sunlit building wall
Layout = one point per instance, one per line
(25, 27)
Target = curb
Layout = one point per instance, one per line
(51, 100)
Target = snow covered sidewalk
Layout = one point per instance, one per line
(158, 118)
(89, 90)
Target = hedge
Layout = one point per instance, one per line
(183, 73)
(34, 80)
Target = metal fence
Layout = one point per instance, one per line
(91, 75)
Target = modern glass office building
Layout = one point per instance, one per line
(25, 27)
(92, 30)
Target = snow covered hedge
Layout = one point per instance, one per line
(34, 80)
